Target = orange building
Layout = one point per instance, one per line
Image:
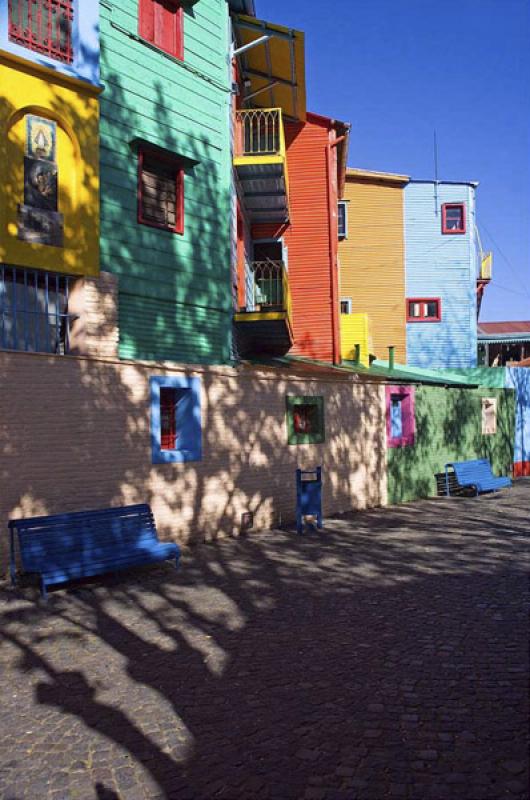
(372, 264)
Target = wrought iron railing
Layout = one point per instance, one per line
(43, 25)
(268, 284)
(34, 311)
(259, 132)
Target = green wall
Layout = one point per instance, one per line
(174, 291)
(448, 428)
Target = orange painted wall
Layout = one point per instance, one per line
(307, 237)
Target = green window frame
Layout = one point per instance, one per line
(309, 410)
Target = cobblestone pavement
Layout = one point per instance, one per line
(386, 657)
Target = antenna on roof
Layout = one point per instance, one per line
(435, 156)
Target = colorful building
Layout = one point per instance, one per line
(166, 175)
(49, 168)
(442, 266)
(288, 175)
(372, 265)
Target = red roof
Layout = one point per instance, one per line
(504, 327)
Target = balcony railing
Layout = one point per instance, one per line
(259, 132)
(268, 285)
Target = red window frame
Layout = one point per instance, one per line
(453, 231)
(423, 301)
(37, 25)
(168, 418)
(161, 22)
(176, 165)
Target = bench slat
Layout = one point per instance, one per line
(477, 473)
(86, 543)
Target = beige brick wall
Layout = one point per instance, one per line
(75, 434)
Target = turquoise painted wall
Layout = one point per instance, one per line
(444, 266)
(174, 291)
(449, 428)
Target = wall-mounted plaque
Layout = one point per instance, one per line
(38, 226)
(40, 137)
(40, 184)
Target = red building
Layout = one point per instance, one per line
(289, 173)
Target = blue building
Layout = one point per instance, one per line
(442, 266)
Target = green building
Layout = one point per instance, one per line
(165, 148)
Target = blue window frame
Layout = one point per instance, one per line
(188, 425)
(396, 416)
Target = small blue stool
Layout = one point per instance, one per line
(308, 497)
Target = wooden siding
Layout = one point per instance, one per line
(372, 270)
(307, 237)
(444, 266)
(175, 298)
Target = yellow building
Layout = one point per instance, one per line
(372, 264)
(49, 169)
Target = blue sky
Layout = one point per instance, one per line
(397, 69)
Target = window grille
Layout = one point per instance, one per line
(34, 311)
(44, 26)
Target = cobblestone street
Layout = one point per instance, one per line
(386, 657)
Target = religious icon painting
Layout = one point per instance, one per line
(41, 135)
(40, 184)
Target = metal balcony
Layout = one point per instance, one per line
(264, 327)
(261, 164)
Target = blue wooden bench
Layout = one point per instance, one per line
(85, 543)
(475, 474)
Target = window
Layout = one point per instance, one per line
(453, 218)
(345, 305)
(160, 191)
(34, 311)
(176, 430)
(44, 26)
(305, 419)
(424, 309)
(342, 220)
(400, 416)
(161, 22)
(489, 415)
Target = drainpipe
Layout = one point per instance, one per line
(391, 356)
(333, 252)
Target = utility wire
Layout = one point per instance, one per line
(512, 268)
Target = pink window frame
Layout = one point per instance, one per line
(179, 189)
(407, 397)
(424, 301)
(445, 229)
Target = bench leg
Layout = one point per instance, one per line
(177, 561)
(43, 590)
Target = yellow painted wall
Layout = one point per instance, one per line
(355, 329)
(26, 90)
(372, 268)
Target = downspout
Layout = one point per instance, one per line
(333, 254)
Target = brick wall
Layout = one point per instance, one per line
(75, 434)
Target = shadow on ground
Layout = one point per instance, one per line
(385, 657)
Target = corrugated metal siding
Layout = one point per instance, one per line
(441, 265)
(355, 329)
(175, 298)
(308, 240)
(372, 269)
